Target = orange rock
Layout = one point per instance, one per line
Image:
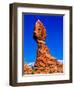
(45, 63)
(27, 69)
(44, 57)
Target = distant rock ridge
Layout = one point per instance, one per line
(45, 63)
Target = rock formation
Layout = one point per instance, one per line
(27, 69)
(45, 63)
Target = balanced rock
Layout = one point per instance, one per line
(45, 62)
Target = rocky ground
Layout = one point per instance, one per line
(51, 68)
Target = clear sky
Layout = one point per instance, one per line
(54, 39)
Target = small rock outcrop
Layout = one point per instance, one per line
(27, 69)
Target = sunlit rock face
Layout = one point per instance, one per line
(45, 62)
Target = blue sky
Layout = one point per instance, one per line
(54, 39)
